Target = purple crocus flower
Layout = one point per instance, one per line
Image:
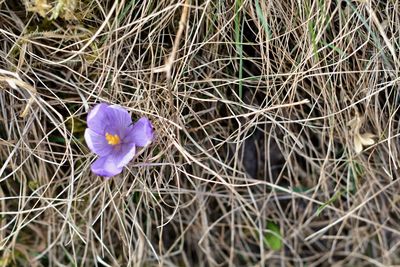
(113, 137)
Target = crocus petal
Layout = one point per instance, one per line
(119, 119)
(97, 143)
(97, 118)
(123, 155)
(141, 133)
(106, 167)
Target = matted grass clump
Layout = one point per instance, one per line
(276, 123)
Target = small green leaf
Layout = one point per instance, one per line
(273, 237)
(262, 20)
(300, 189)
(330, 201)
(33, 185)
(57, 139)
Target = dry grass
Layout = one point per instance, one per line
(257, 105)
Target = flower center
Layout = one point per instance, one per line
(113, 139)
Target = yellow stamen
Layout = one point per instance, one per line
(113, 139)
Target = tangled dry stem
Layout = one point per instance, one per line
(251, 102)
